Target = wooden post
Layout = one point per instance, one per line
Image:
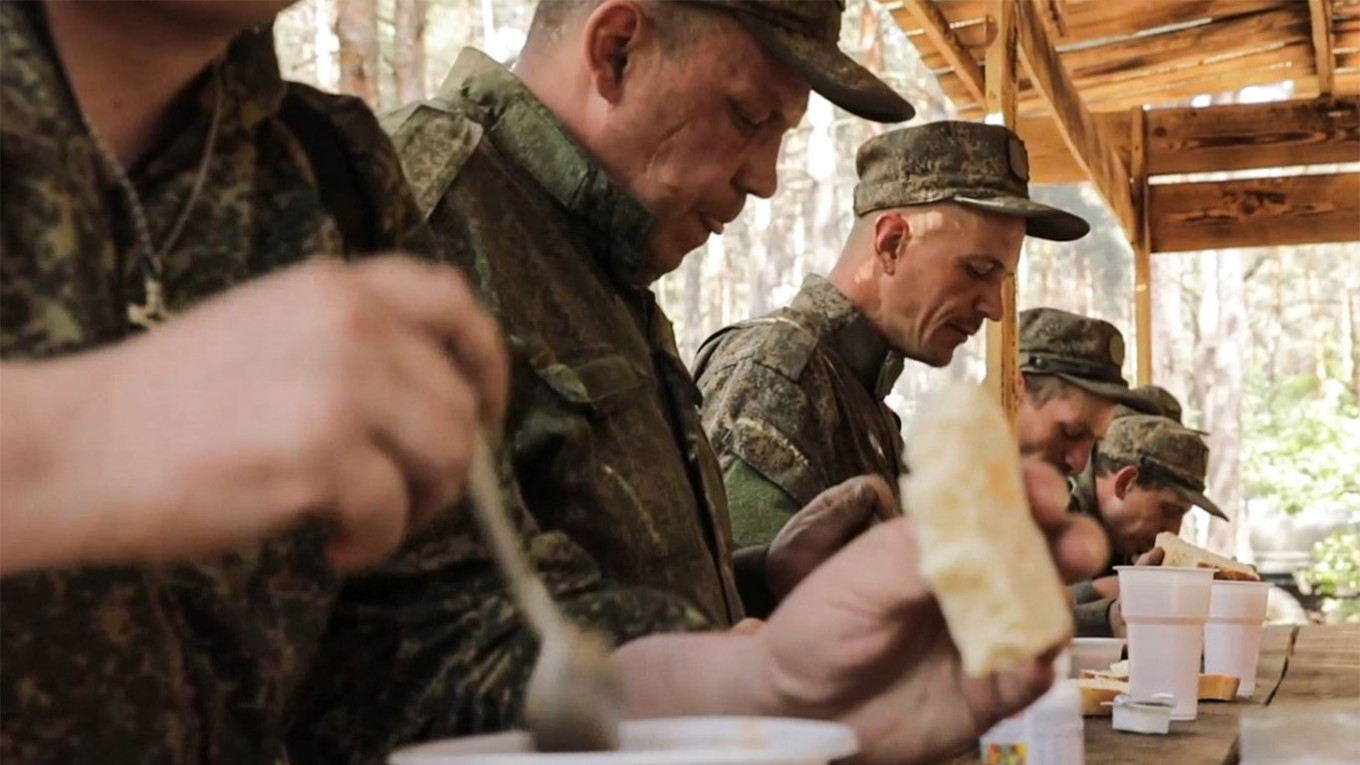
(1142, 245)
(1002, 340)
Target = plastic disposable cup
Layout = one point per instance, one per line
(1165, 609)
(669, 741)
(1232, 635)
(1095, 653)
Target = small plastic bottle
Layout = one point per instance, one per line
(1049, 732)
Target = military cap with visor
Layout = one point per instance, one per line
(804, 35)
(1159, 399)
(984, 167)
(1086, 352)
(1165, 452)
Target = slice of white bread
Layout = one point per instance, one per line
(1218, 687)
(1117, 671)
(985, 558)
(1096, 691)
(1182, 553)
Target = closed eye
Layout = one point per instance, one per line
(745, 124)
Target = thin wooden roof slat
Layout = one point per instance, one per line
(1109, 18)
(1320, 14)
(1210, 77)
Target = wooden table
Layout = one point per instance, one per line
(1298, 666)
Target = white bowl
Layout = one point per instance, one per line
(669, 741)
(1094, 653)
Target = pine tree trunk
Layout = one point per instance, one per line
(326, 45)
(356, 26)
(1219, 380)
(408, 50)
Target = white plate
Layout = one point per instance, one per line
(670, 741)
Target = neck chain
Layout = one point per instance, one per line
(151, 260)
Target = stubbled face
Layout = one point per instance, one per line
(947, 278)
(696, 130)
(1136, 515)
(1063, 430)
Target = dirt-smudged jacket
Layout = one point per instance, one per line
(797, 396)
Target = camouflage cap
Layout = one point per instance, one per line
(1164, 451)
(805, 36)
(981, 166)
(1086, 352)
(1159, 398)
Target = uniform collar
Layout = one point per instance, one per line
(531, 136)
(849, 333)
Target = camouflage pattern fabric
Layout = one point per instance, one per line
(1164, 451)
(797, 396)
(1086, 352)
(804, 35)
(175, 664)
(1159, 399)
(985, 167)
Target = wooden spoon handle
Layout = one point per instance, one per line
(484, 489)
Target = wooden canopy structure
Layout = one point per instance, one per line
(1099, 96)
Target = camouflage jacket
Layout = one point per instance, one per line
(1089, 610)
(797, 396)
(191, 663)
(603, 450)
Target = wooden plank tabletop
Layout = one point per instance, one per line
(1298, 666)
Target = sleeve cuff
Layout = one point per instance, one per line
(1093, 618)
(1083, 592)
(749, 566)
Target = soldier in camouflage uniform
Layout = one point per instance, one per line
(793, 401)
(1070, 383)
(220, 427)
(1147, 473)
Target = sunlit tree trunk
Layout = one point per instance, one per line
(356, 26)
(408, 50)
(1219, 377)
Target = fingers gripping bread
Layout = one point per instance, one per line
(1182, 553)
(984, 556)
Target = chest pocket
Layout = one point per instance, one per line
(600, 386)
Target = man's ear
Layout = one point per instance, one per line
(611, 34)
(892, 234)
(1124, 480)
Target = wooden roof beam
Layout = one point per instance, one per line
(1254, 212)
(936, 27)
(1321, 13)
(1080, 131)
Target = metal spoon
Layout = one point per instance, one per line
(574, 701)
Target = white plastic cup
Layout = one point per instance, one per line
(668, 741)
(1095, 653)
(1165, 609)
(1232, 635)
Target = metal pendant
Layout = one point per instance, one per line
(153, 311)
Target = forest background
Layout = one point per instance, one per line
(1262, 345)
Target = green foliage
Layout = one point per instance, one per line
(1336, 564)
(1335, 575)
(1300, 444)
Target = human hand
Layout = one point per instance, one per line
(863, 640)
(820, 530)
(350, 392)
